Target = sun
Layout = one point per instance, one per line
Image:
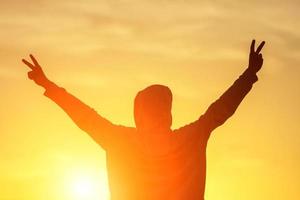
(84, 187)
(87, 187)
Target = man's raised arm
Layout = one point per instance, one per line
(225, 106)
(87, 119)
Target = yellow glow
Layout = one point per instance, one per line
(103, 52)
(84, 186)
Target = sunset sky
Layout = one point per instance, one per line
(105, 51)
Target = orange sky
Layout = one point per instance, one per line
(105, 51)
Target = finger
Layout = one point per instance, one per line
(31, 66)
(261, 58)
(260, 47)
(34, 60)
(262, 61)
(252, 46)
(30, 75)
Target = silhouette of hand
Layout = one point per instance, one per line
(37, 74)
(255, 57)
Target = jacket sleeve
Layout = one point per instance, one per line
(223, 108)
(86, 118)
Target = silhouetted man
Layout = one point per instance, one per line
(151, 161)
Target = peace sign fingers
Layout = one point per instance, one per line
(33, 66)
(259, 48)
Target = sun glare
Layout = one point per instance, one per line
(84, 188)
(87, 187)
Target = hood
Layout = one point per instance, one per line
(152, 109)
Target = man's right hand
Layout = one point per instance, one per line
(36, 74)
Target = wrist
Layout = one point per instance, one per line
(250, 75)
(251, 70)
(47, 84)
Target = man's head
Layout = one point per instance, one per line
(152, 109)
